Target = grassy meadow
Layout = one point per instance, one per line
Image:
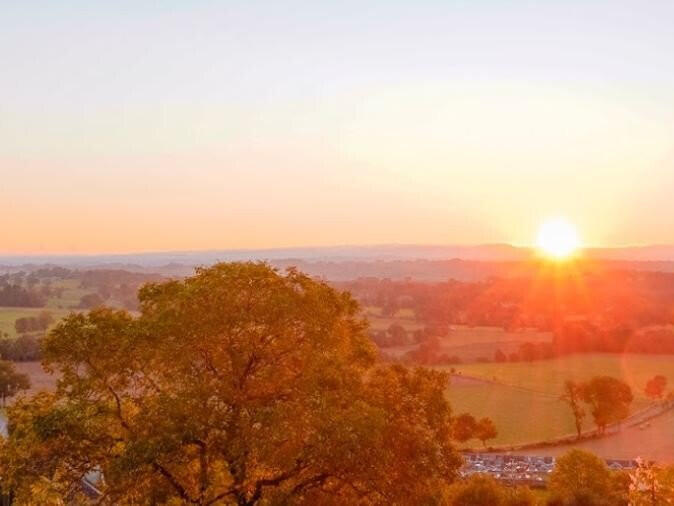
(72, 293)
(512, 410)
(8, 315)
(548, 376)
(524, 403)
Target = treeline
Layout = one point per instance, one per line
(32, 289)
(13, 295)
(25, 348)
(610, 299)
(28, 324)
(585, 336)
(116, 284)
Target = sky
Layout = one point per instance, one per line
(183, 125)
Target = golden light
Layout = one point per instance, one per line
(558, 238)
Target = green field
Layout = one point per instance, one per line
(467, 343)
(548, 376)
(525, 408)
(520, 416)
(654, 442)
(71, 295)
(8, 315)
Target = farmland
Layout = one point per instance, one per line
(525, 395)
(548, 376)
(511, 409)
(517, 395)
(654, 442)
(8, 315)
(470, 344)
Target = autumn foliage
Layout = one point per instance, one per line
(239, 385)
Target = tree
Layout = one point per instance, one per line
(239, 385)
(485, 430)
(650, 485)
(90, 300)
(609, 399)
(655, 388)
(464, 428)
(11, 381)
(397, 334)
(499, 356)
(478, 490)
(519, 496)
(22, 325)
(33, 323)
(581, 478)
(528, 352)
(573, 396)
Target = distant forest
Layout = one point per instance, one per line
(586, 309)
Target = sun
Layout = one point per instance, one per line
(558, 238)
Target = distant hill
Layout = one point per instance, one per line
(423, 262)
(496, 252)
(655, 253)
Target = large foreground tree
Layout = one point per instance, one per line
(239, 385)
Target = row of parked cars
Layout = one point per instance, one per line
(521, 469)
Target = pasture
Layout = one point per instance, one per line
(8, 315)
(520, 416)
(654, 442)
(523, 398)
(70, 296)
(467, 343)
(548, 376)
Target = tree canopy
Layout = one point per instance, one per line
(609, 399)
(581, 478)
(239, 385)
(572, 396)
(11, 381)
(655, 388)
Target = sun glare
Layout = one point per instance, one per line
(557, 238)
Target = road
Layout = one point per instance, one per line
(652, 443)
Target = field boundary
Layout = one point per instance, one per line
(637, 418)
(504, 384)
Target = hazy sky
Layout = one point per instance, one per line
(139, 125)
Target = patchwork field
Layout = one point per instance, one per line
(467, 343)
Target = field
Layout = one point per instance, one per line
(8, 316)
(548, 376)
(71, 294)
(653, 443)
(467, 343)
(512, 410)
(524, 400)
